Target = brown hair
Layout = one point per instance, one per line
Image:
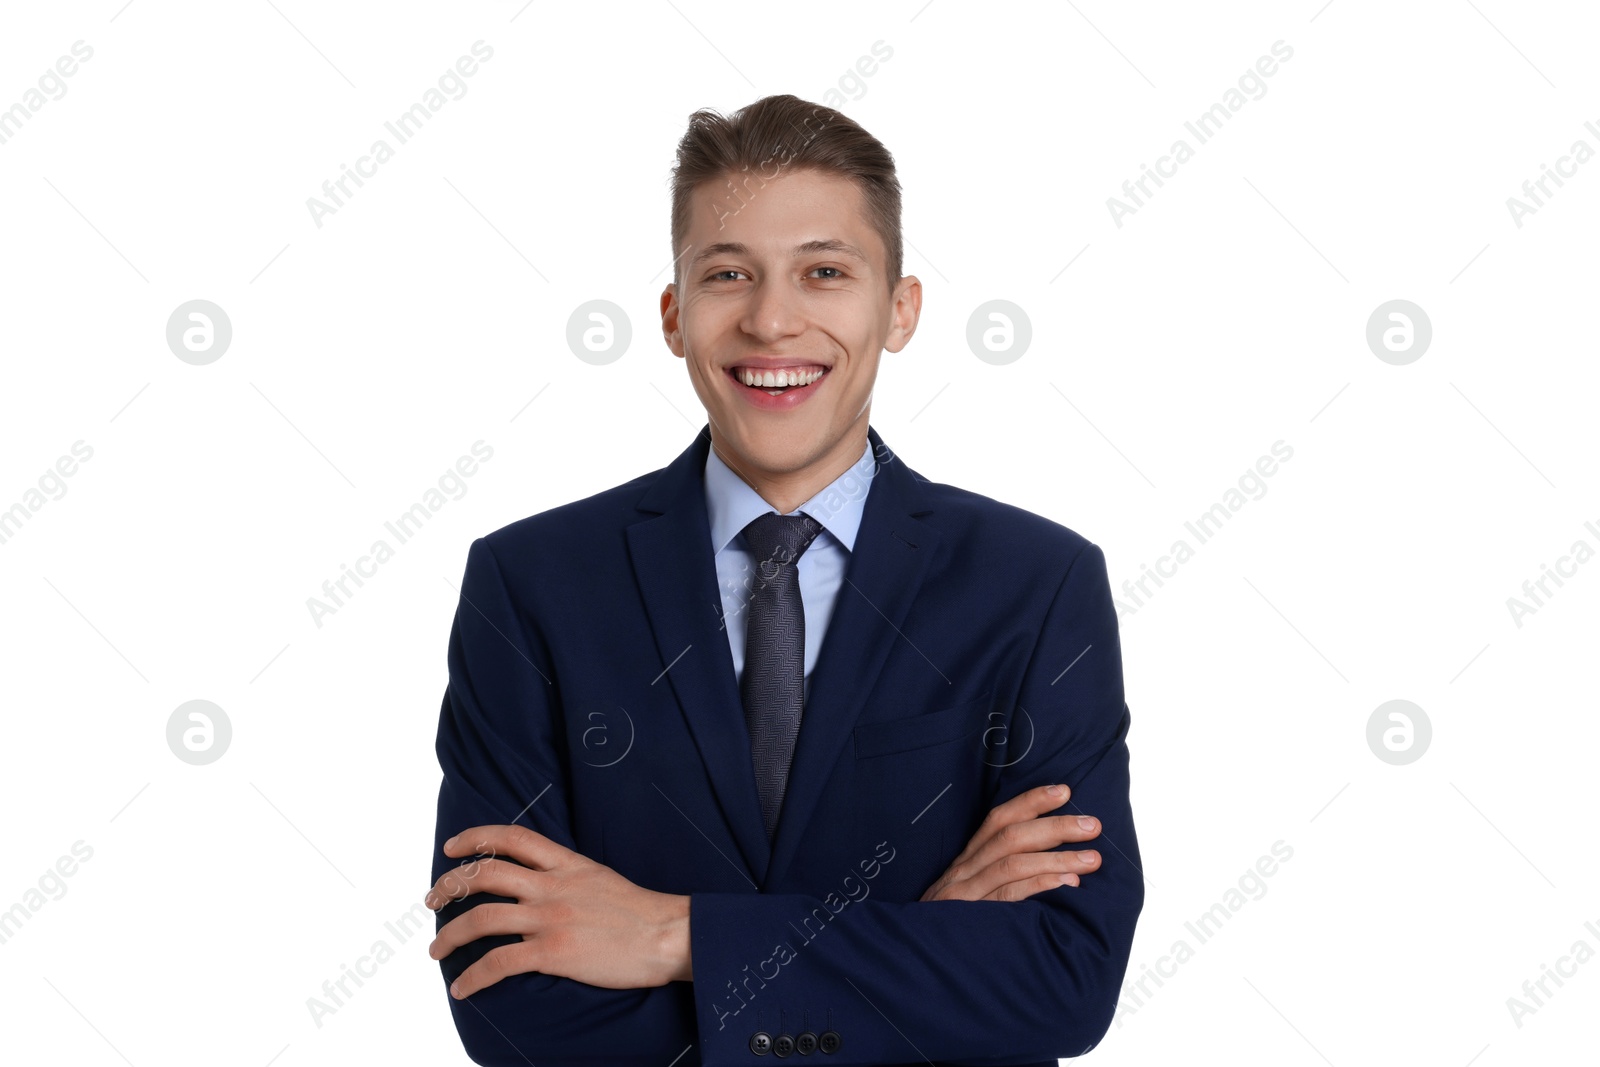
(777, 133)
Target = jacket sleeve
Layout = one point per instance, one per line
(499, 746)
(987, 982)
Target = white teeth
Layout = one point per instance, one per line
(776, 379)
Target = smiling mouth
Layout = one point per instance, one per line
(776, 383)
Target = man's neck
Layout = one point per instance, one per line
(787, 490)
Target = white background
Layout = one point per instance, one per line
(430, 311)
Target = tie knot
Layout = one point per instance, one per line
(778, 539)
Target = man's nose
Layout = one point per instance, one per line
(774, 311)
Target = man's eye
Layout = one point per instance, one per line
(837, 273)
(718, 276)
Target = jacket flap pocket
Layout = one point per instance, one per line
(921, 731)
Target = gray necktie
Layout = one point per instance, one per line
(773, 684)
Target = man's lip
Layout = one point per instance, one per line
(777, 364)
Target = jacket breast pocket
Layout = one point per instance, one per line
(963, 722)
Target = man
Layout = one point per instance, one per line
(822, 812)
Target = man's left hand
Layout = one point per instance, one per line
(578, 918)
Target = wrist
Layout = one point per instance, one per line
(674, 944)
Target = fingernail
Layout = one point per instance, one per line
(450, 843)
(1054, 790)
(455, 990)
(1086, 823)
(1068, 878)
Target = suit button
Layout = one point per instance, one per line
(761, 1042)
(782, 1045)
(806, 1043)
(830, 1041)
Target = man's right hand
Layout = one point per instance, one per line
(1009, 858)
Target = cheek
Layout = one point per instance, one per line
(865, 336)
(707, 329)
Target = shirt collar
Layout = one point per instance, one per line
(731, 503)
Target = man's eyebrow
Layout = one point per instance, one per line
(832, 244)
(721, 248)
(808, 248)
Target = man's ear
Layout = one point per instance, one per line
(671, 327)
(904, 311)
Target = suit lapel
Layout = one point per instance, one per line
(676, 570)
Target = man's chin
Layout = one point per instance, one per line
(784, 453)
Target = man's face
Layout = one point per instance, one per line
(791, 278)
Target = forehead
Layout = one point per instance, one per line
(765, 212)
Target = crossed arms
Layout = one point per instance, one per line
(556, 958)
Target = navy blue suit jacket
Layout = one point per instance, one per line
(973, 654)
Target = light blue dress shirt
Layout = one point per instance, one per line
(731, 505)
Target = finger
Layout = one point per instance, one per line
(485, 920)
(1065, 829)
(1039, 834)
(1033, 886)
(526, 846)
(481, 876)
(1029, 804)
(497, 963)
(1024, 807)
(1024, 866)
